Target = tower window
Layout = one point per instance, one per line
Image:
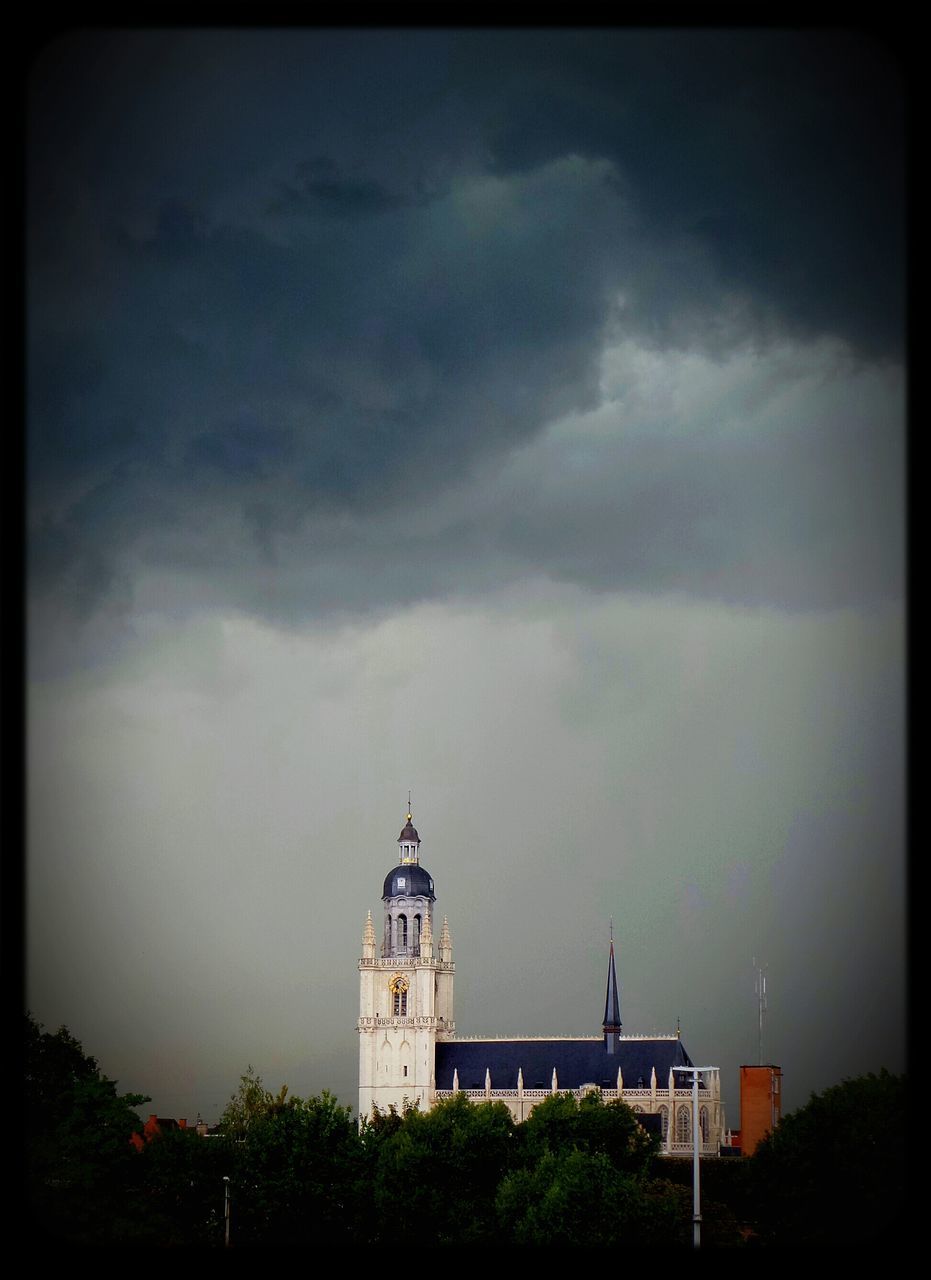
(398, 987)
(402, 931)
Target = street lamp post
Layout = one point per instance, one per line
(226, 1212)
(696, 1188)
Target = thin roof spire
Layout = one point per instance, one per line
(612, 1018)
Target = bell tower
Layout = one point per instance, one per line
(406, 992)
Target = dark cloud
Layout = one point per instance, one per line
(319, 187)
(181, 231)
(363, 361)
(288, 290)
(782, 152)
(242, 450)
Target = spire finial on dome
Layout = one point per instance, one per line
(408, 840)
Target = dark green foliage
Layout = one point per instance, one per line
(252, 1103)
(574, 1174)
(583, 1180)
(577, 1198)
(440, 1169)
(561, 1124)
(80, 1168)
(294, 1167)
(833, 1172)
(723, 1197)
(180, 1190)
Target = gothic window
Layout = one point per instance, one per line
(683, 1124)
(703, 1123)
(400, 1004)
(664, 1117)
(402, 931)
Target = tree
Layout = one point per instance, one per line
(448, 1161)
(583, 1179)
(252, 1102)
(562, 1123)
(833, 1172)
(294, 1166)
(80, 1173)
(180, 1190)
(574, 1198)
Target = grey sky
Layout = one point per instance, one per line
(515, 417)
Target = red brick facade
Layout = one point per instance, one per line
(760, 1104)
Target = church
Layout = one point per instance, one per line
(409, 1053)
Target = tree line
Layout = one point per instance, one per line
(575, 1173)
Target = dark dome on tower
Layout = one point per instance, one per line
(409, 834)
(409, 880)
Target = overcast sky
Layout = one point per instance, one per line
(514, 417)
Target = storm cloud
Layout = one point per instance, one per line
(514, 416)
(224, 356)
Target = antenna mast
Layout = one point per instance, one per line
(759, 987)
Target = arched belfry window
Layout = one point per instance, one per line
(398, 986)
(416, 935)
(402, 931)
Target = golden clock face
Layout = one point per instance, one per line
(398, 984)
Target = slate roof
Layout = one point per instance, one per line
(577, 1062)
(417, 882)
(409, 834)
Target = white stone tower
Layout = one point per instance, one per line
(406, 994)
